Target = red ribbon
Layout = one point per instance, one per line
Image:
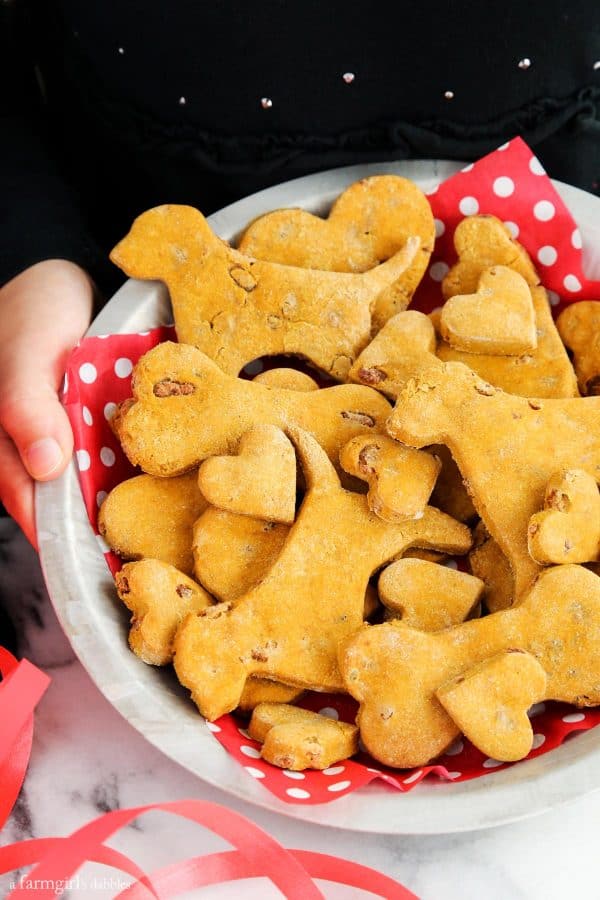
(56, 860)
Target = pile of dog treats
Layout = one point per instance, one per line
(287, 537)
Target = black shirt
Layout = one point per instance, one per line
(113, 107)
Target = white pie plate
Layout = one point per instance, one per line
(82, 592)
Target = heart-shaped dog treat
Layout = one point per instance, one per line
(499, 319)
(568, 528)
(489, 703)
(259, 482)
(368, 223)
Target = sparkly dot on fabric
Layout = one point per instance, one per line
(348, 77)
(524, 63)
(266, 102)
(449, 95)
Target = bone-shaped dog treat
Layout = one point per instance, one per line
(497, 319)
(484, 241)
(488, 562)
(159, 596)
(579, 327)
(186, 409)
(489, 703)
(394, 671)
(148, 517)
(568, 528)
(400, 479)
(288, 379)
(404, 346)
(428, 596)
(298, 739)
(259, 482)
(235, 308)
(368, 223)
(506, 447)
(289, 626)
(259, 690)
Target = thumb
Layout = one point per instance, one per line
(37, 423)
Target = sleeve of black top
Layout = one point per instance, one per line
(40, 217)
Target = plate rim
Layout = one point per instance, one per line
(71, 555)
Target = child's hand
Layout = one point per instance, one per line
(44, 311)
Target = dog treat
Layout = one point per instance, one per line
(159, 596)
(288, 627)
(579, 327)
(147, 517)
(449, 493)
(481, 242)
(368, 223)
(259, 482)
(236, 309)
(488, 562)
(400, 479)
(185, 409)
(497, 319)
(428, 596)
(489, 703)
(506, 448)
(298, 739)
(404, 346)
(233, 553)
(394, 671)
(288, 379)
(428, 555)
(568, 528)
(259, 690)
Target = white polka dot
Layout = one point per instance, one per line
(338, 786)
(107, 456)
(513, 228)
(456, 748)
(101, 497)
(536, 710)
(244, 732)
(536, 167)
(214, 728)
(123, 367)
(143, 333)
(544, 210)
(469, 206)
(250, 751)
(438, 271)
(254, 368)
(504, 146)
(553, 298)
(451, 564)
(87, 416)
(572, 283)
(538, 740)
(467, 168)
(329, 712)
(547, 255)
(297, 776)
(298, 793)
(104, 548)
(334, 770)
(453, 775)
(415, 775)
(109, 411)
(256, 773)
(503, 186)
(88, 373)
(83, 460)
(492, 763)
(576, 239)
(102, 337)
(439, 227)
(574, 717)
(375, 771)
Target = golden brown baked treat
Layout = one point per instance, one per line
(567, 530)
(488, 562)
(579, 327)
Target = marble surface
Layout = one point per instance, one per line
(86, 760)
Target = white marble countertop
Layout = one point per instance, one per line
(86, 760)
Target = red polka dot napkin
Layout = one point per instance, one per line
(509, 183)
